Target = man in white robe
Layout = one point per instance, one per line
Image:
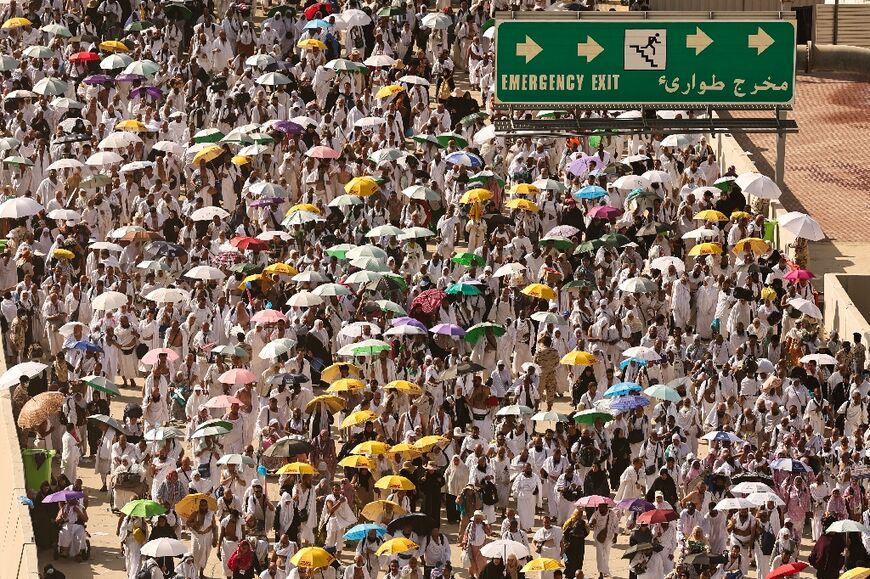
(528, 493)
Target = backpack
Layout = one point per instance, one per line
(488, 493)
(145, 572)
(766, 540)
(587, 455)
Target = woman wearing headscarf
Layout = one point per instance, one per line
(132, 532)
(323, 451)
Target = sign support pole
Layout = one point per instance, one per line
(779, 172)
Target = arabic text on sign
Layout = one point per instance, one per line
(693, 85)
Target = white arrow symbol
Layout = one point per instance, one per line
(529, 49)
(590, 49)
(761, 40)
(699, 41)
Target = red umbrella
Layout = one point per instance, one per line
(656, 516)
(428, 301)
(84, 57)
(799, 274)
(153, 356)
(251, 243)
(311, 11)
(268, 317)
(222, 401)
(787, 570)
(604, 212)
(321, 152)
(592, 501)
(227, 259)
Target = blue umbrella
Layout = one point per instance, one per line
(590, 192)
(464, 158)
(624, 364)
(790, 465)
(359, 532)
(83, 345)
(622, 389)
(318, 23)
(627, 403)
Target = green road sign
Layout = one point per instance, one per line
(691, 63)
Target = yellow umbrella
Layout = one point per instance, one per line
(706, 249)
(346, 385)
(753, 244)
(304, 207)
(394, 482)
(356, 461)
(404, 386)
(389, 90)
(63, 254)
(333, 373)
(190, 504)
(374, 510)
(297, 468)
(409, 450)
(312, 558)
(257, 277)
(17, 23)
(856, 573)
(396, 546)
(768, 293)
(710, 215)
(740, 215)
(280, 268)
(114, 46)
(132, 126)
(239, 160)
(311, 43)
(524, 189)
(371, 448)
(476, 196)
(207, 154)
(426, 443)
(358, 418)
(541, 564)
(333, 403)
(523, 204)
(364, 186)
(578, 358)
(540, 291)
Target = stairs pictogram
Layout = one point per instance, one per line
(642, 52)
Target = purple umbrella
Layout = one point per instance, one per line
(448, 330)
(579, 166)
(98, 79)
(604, 212)
(289, 127)
(635, 505)
(63, 496)
(408, 321)
(129, 77)
(266, 201)
(143, 91)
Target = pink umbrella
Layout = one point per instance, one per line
(238, 376)
(153, 356)
(321, 152)
(604, 212)
(222, 401)
(592, 501)
(563, 231)
(799, 274)
(268, 317)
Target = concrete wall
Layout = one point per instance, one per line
(839, 58)
(847, 300)
(16, 537)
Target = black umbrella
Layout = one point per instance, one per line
(461, 370)
(74, 138)
(420, 523)
(108, 421)
(635, 549)
(289, 446)
(752, 477)
(704, 559)
(133, 410)
(166, 248)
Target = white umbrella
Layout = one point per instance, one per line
(104, 159)
(124, 230)
(484, 135)
(663, 263)
(511, 268)
(170, 147)
(205, 272)
(167, 295)
(304, 299)
(722, 435)
(68, 328)
(415, 233)
(363, 276)
(634, 159)
(700, 233)
(272, 79)
(734, 504)
(504, 548)
(164, 547)
(369, 122)
(384, 231)
(331, 289)
(276, 347)
(64, 215)
(750, 487)
(758, 185)
(19, 207)
(761, 499)
(66, 164)
(108, 245)
(820, 359)
(676, 141)
(638, 285)
(419, 192)
(406, 330)
(805, 306)
(629, 182)
(354, 17)
(50, 86)
(801, 225)
(13, 375)
(642, 353)
(437, 21)
(367, 250)
(345, 200)
(356, 329)
(377, 60)
(657, 177)
(109, 300)
(270, 235)
(301, 218)
(136, 166)
(413, 79)
(209, 213)
(119, 140)
(310, 276)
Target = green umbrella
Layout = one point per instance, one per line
(484, 176)
(7, 63)
(396, 280)
(95, 181)
(177, 12)
(487, 25)
(590, 416)
(473, 118)
(445, 138)
(590, 246)
(57, 30)
(640, 194)
(101, 384)
(262, 138)
(391, 306)
(208, 136)
(614, 239)
(579, 284)
(427, 139)
(138, 26)
(725, 183)
(147, 68)
(594, 141)
(388, 11)
(143, 508)
(663, 392)
(344, 65)
(340, 251)
(559, 243)
(230, 351)
(474, 333)
(247, 268)
(467, 259)
(18, 160)
(466, 289)
(215, 422)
